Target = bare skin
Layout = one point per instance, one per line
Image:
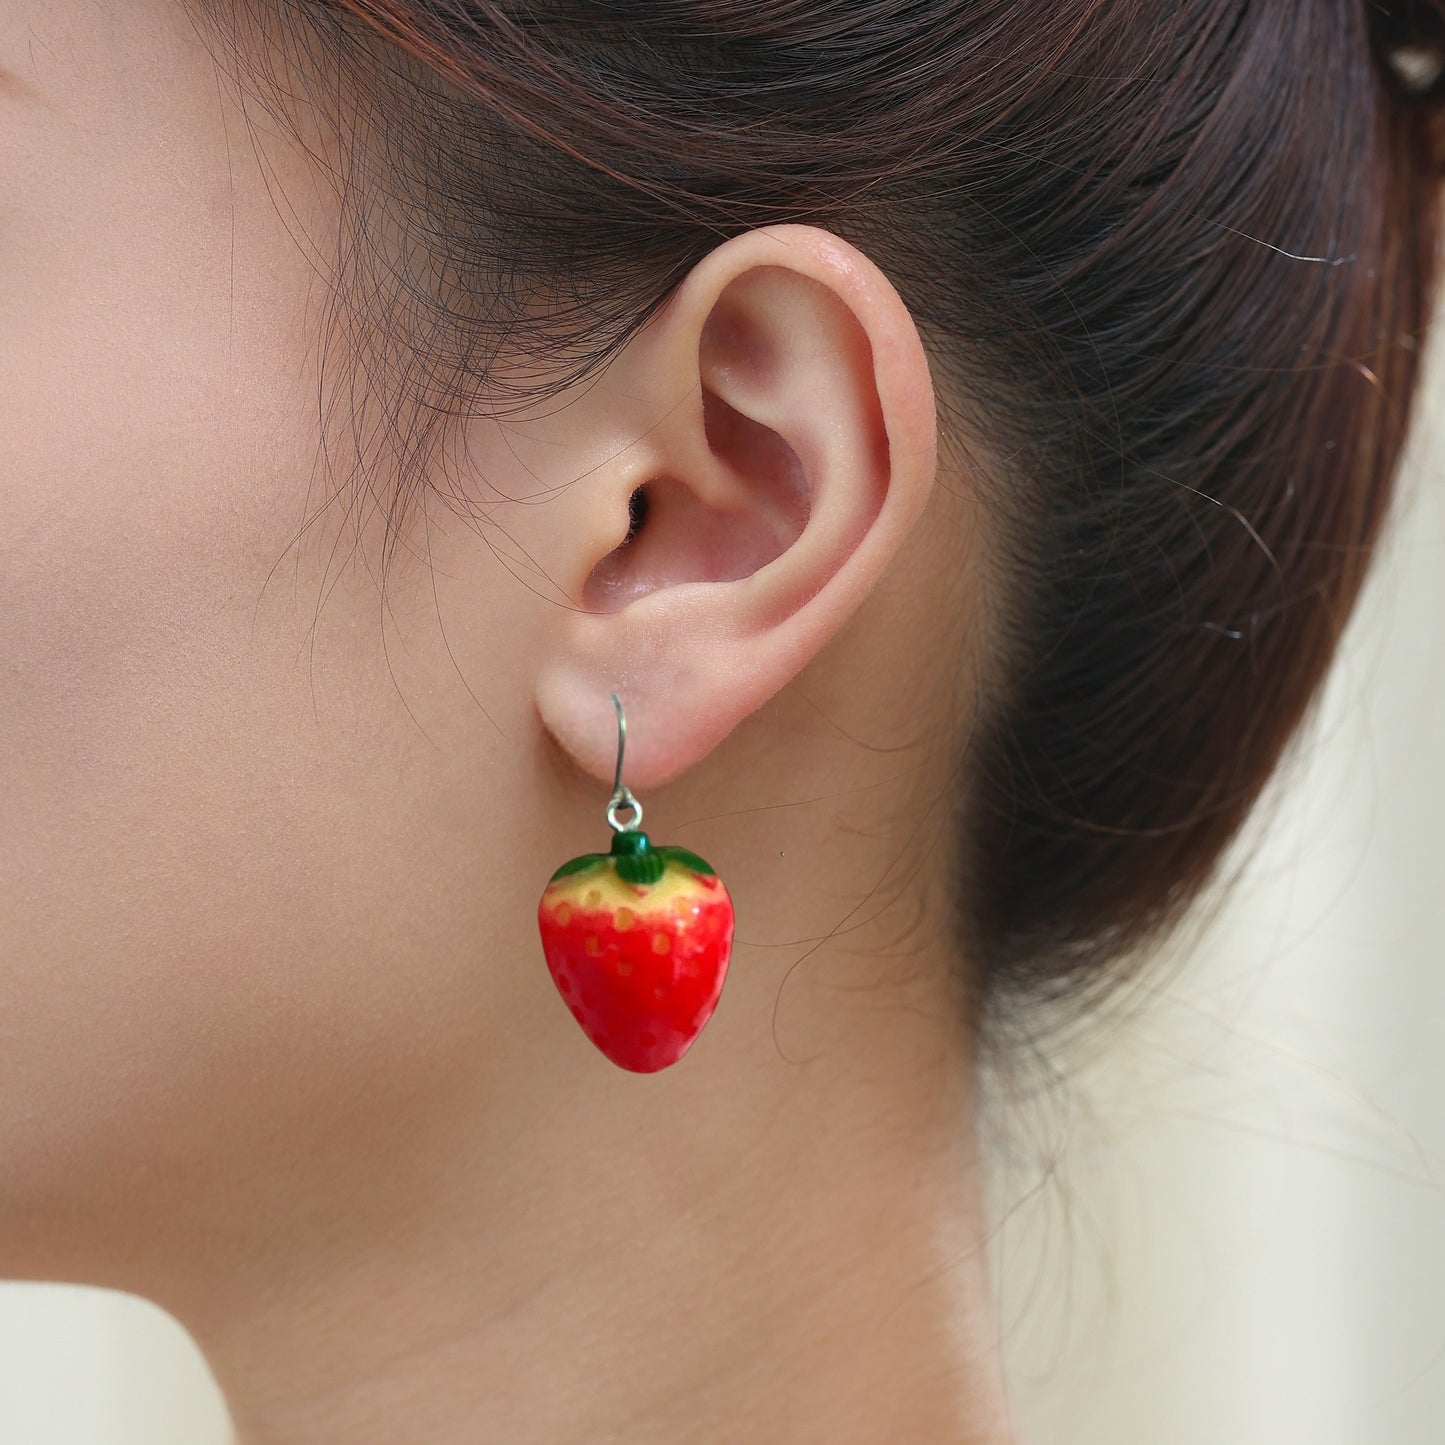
(280, 1051)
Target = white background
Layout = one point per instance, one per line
(1228, 1225)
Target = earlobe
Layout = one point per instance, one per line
(792, 450)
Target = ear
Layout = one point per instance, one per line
(783, 438)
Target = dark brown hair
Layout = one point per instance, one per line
(1173, 263)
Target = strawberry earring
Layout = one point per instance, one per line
(637, 940)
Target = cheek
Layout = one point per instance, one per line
(248, 881)
(192, 814)
(145, 498)
(244, 925)
(202, 930)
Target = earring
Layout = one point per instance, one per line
(637, 940)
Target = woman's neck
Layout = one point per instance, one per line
(780, 1238)
(777, 1267)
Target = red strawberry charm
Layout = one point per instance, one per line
(637, 941)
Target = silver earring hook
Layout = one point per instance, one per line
(621, 793)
